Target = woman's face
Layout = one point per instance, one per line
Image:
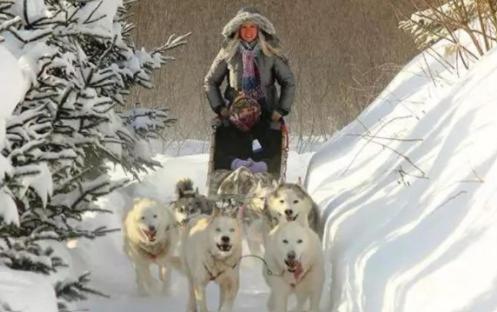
(249, 31)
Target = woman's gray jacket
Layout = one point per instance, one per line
(271, 69)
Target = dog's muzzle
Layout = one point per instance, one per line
(291, 218)
(291, 262)
(150, 235)
(292, 265)
(225, 245)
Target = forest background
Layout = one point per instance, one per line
(343, 53)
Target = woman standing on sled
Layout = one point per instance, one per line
(251, 62)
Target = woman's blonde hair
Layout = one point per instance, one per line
(231, 46)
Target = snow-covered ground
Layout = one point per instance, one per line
(407, 192)
(16, 287)
(409, 195)
(112, 272)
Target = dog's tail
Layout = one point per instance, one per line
(184, 188)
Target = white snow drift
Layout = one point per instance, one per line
(409, 195)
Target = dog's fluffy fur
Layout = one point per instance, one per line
(255, 222)
(238, 182)
(242, 181)
(150, 237)
(211, 251)
(294, 265)
(290, 202)
(189, 202)
(252, 189)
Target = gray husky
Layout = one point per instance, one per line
(254, 219)
(242, 181)
(290, 202)
(189, 202)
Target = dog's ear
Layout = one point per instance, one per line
(236, 177)
(258, 187)
(216, 211)
(275, 184)
(240, 213)
(265, 207)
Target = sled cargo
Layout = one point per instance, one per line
(215, 176)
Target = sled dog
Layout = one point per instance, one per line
(242, 181)
(189, 202)
(295, 265)
(211, 251)
(238, 182)
(150, 237)
(255, 223)
(290, 202)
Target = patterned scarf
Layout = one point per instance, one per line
(251, 81)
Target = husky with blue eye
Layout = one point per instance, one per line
(150, 238)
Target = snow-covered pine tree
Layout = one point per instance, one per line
(148, 128)
(82, 62)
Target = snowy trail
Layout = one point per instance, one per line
(112, 272)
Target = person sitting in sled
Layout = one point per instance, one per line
(251, 62)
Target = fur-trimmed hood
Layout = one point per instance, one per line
(245, 15)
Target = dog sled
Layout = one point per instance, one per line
(277, 167)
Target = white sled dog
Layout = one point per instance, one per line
(211, 251)
(150, 237)
(252, 189)
(189, 202)
(255, 223)
(295, 260)
(290, 202)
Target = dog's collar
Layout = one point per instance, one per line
(212, 277)
(154, 254)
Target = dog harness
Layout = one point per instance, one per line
(154, 254)
(213, 277)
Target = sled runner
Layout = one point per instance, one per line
(215, 176)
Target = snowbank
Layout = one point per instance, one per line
(26, 292)
(409, 195)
